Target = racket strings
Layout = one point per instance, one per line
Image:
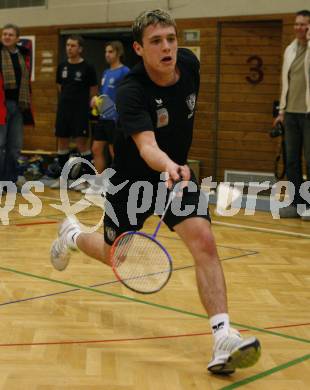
(105, 105)
(141, 263)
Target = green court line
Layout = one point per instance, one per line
(266, 373)
(114, 295)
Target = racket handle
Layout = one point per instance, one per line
(172, 195)
(94, 111)
(175, 186)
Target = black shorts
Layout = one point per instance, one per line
(119, 217)
(72, 122)
(104, 130)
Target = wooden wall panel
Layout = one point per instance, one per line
(203, 147)
(44, 90)
(245, 105)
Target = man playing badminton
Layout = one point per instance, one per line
(156, 104)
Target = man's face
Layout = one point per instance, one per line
(301, 26)
(9, 38)
(159, 50)
(73, 49)
(111, 55)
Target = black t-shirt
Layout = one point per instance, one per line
(168, 111)
(13, 94)
(75, 81)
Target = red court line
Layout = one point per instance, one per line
(136, 338)
(36, 223)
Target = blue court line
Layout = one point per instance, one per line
(151, 304)
(103, 284)
(248, 251)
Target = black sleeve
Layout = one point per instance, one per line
(192, 63)
(58, 74)
(92, 76)
(190, 58)
(131, 105)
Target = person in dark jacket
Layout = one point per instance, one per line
(16, 93)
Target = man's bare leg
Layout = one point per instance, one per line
(93, 245)
(230, 350)
(198, 237)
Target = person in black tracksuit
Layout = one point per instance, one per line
(77, 84)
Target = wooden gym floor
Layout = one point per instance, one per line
(80, 329)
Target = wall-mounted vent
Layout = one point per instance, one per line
(4, 4)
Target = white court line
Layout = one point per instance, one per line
(52, 198)
(259, 229)
(71, 201)
(233, 225)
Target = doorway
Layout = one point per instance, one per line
(95, 41)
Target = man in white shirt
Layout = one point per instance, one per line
(295, 112)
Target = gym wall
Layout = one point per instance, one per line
(240, 78)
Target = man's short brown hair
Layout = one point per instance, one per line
(13, 27)
(77, 38)
(117, 46)
(147, 18)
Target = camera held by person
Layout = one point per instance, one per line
(277, 130)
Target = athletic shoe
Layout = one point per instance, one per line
(10, 190)
(93, 190)
(55, 185)
(305, 216)
(289, 212)
(232, 351)
(63, 245)
(46, 180)
(78, 187)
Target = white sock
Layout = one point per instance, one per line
(220, 325)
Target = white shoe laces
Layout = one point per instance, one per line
(228, 343)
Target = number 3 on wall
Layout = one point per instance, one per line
(257, 74)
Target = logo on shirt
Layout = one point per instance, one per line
(191, 102)
(64, 73)
(162, 117)
(78, 76)
(159, 102)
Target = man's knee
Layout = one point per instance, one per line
(205, 242)
(200, 238)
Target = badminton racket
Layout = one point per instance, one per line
(104, 106)
(139, 261)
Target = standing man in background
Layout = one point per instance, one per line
(15, 89)
(295, 110)
(77, 84)
(104, 130)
